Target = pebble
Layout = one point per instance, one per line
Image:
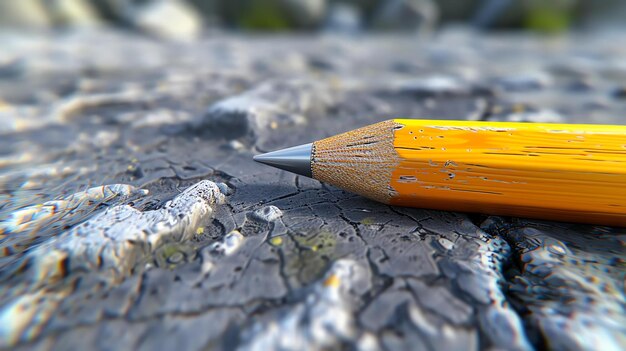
(433, 85)
(236, 145)
(268, 213)
(176, 257)
(343, 18)
(522, 115)
(269, 106)
(524, 81)
(445, 243)
(225, 247)
(168, 19)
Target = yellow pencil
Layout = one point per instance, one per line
(565, 172)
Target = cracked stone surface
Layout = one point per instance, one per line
(133, 217)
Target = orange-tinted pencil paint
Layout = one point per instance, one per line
(562, 172)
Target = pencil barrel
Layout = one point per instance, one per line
(550, 171)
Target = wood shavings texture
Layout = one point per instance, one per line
(360, 161)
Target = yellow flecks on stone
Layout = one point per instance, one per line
(315, 248)
(200, 231)
(335, 82)
(332, 281)
(273, 125)
(496, 109)
(276, 241)
(518, 108)
(367, 221)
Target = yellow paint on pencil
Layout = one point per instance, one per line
(556, 171)
(564, 172)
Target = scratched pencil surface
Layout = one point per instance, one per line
(553, 171)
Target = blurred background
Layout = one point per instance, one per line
(187, 19)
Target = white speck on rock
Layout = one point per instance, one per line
(268, 213)
(226, 247)
(169, 19)
(437, 84)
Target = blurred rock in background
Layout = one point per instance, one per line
(344, 18)
(23, 14)
(272, 14)
(601, 14)
(549, 16)
(406, 14)
(167, 19)
(488, 13)
(185, 19)
(72, 13)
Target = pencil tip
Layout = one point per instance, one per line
(295, 159)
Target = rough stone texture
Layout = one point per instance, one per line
(257, 258)
(51, 216)
(109, 245)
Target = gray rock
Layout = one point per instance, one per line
(343, 18)
(439, 300)
(434, 85)
(382, 312)
(273, 14)
(556, 270)
(407, 15)
(111, 243)
(168, 19)
(115, 239)
(268, 214)
(306, 13)
(73, 13)
(524, 81)
(25, 14)
(524, 114)
(267, 107)
(25, 223)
